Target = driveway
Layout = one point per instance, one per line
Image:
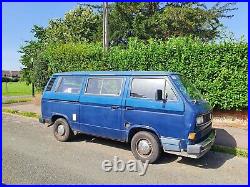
(32, 155)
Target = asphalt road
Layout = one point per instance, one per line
(30, 154)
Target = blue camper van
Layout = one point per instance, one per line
(153, 111)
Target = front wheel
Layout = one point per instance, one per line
(61, 130)
(145, 146)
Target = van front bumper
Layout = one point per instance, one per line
(199, 149)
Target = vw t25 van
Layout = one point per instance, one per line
(153, 111)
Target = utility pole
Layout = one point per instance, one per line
(32, 83)
(105, 27)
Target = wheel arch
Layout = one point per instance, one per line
(56, 116)
(132, 131)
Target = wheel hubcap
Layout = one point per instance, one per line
(144, 147)
(61, 130)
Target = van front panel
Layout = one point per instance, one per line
(142, 110)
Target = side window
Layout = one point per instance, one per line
(111, 86)
(146, 88)
(70, 84)
(50, 84)
(104, 86)
(94, 86)
(170, 92)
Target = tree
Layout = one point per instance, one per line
(27, 53)
(78, 25)
(130, 20)
(161, 21)
(142, 20)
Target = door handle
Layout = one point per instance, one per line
(114, 107)
(129, 108)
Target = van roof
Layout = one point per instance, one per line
(116, 73)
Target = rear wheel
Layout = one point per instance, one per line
(61, 130)
(145, 146)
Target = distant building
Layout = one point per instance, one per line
(11, 74)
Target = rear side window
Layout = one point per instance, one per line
(50, 84)
(146, 88)
(104, 86)
(70, 84)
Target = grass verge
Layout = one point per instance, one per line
(18, 100)
(16, 89)
(21, 113)
(230, 150)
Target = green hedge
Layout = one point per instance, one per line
(219, 70)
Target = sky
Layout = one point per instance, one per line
(18, 19)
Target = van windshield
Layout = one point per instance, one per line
(188, 90)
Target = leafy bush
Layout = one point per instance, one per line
(5, 79)
(218, 70)
(10, 79)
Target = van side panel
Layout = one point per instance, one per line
(65, 106)
(62, 104)
(98, 117)
(101, 115)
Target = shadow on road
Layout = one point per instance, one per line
(224, 138)
(99, 140)
(211, 160)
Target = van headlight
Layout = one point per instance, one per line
(199, 120)
(210, 116)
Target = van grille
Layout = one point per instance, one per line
(204, 129)
(203, 133)
(207, 117)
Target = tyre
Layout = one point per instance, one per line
(146, 146)
(61, 130)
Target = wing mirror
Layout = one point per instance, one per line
(159, 96)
